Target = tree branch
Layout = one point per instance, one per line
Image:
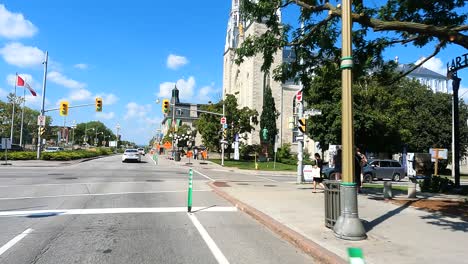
(436, 51)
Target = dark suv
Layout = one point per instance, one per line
(383, 169)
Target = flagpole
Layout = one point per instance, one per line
(22, 116)
(38, 156)
(13, 111)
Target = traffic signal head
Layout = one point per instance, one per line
(302, 125)
(98, 104)
(64, 108)
(165, 106)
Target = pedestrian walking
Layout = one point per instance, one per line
(358, 161)
(318, 165)
(338, 164)
(195, 153)
(362, 162)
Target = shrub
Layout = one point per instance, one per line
(247, 152)
(437, 184)
(70, 155)
(284, 153)
(20, 155)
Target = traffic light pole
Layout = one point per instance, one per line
(222, 142)
(300, 145)
(38, 154)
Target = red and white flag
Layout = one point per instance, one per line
(21, 82)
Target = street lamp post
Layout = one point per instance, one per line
(348, 226)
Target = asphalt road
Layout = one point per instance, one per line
(105, 211)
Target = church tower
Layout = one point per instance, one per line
(246, 81)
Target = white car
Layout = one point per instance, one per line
(131, 155)
(141, 151)
(53, 149)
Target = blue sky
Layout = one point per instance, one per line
(130, 54)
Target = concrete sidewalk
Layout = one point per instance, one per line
(396, 234)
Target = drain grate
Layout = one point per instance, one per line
(269, 185)
(56, 174)
(154, 180)
(67, 178)
(242, 183)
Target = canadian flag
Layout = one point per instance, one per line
(21, 82)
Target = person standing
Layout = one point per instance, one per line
(338, 167)
(362, 163)
(318, 164)
(358, 163)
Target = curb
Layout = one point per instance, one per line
(319, 253)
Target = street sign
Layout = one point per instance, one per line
(41, 120)
(223, 120)
(299, 96)
(312, 112)
(438, 153)
(6, 143)
(300, 138)
(112, 143)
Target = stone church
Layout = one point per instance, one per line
(247, 82)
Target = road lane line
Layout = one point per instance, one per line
(96, 194)
(203, 175)
(15, 240)
(82, 183)
(57, 212)
(208, 240)
(266, 179)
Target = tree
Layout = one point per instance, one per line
(90, 129)
(268, 117)
(239, 121)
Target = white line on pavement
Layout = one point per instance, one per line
(208, 240)
(15, 240)
(83, 183)
(95, 194)
(266, 179)
(203, 175)
(38, 213)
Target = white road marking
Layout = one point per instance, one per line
(82, 183)
(15, 240)
(116, 211)
(96, 194)
(203, 175)
(266, 179)
(208, 240)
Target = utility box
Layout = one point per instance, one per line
(419, 166)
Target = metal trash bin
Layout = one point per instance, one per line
(177, 156)
(332, 202)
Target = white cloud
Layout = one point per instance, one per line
(175, 61)
(3, 93)
(102, 115)
(80, 95)
(61, 79)
(14, 25)
(186, 89)
(137, 111)
(22, 56)
(81, 66)
(434, 64)
(206, 93)
(108, 99)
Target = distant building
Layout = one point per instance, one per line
(186, 113)
(436, 81)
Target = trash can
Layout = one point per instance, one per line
(177, 156)
(332, 202)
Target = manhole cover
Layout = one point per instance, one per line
(67, 178)
(269, 185)
(221, 184)
(154, 180)
(242, 183)
(55, 174)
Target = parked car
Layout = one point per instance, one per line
(53, 149)
(375, 169)
(131, 155)
(14, 147)
(141, 151)
(383, 169)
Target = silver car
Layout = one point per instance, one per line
(383, 169)
(131, 155)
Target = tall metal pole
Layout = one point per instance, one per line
(173, 125)
(456, 131)
(22, 117)
(222, 142)
(348, 226)
(300, 144)
(13, 101)
(43, 104)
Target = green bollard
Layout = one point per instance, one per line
(356, 256)
(190, 185)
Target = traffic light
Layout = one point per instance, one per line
(302, 125)
(64, 108)
(165, 106)
(98, 104)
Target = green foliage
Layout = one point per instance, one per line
(77, 154)
(268, 117)
(284, 153)
(239, 121)
(91, 128)
(247, 152)
(437, 184)
(20, 155)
